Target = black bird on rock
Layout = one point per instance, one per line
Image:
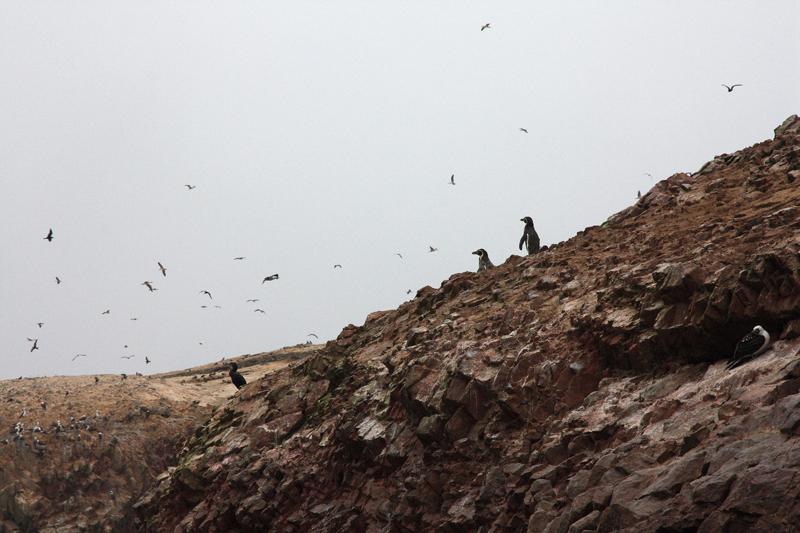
(530, 239)
(751, 346)
(236, 378)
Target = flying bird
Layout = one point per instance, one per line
(134, 318)
(408, 291)
(273, 277)
(731, 87)
(49, 236)
(241, 258)
(217, 307)
(259, 311)
(58, 280)
(106, 312)
(190, 187)
(313, 335)
(486, 26)
(35, 344)
(523, 130)
(648, 174)
(252, 300)
(452, 179)
(79, 355)
(163, 269)
(146, 360)
(432, 249)
(207, 293)
(40, 324)
(398, 254)
(203, 307)
(752, 345)
(127, 356)
(337, 266)
(149, 285)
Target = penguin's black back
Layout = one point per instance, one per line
(237, 379)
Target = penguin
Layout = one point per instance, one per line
(484, 263)
(236, 378)
(529, 237)
(751, 346)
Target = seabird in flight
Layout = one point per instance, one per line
(190, 187)
(732, 87)
(79, 355)
(127, 356)
(432, 249)
(40, 324)
(49, 236)
(163, 269)
(252, 300)
(146, 360)
(207, 293)
(337, 266)
(523, 130)
(312, 335)
(273, 277)
(398, 254)
(259, 311)
(241, 258)
(35, 343)
(486, 26)
(58, 280)
(149, 285)
(106, 312)
(452, 179)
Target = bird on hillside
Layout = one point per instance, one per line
(207, 293)
(252, 300)
(58, 280)
(486, 26)
(236, 378)
(337, 266)
(484, 263)
(523, 130)
(432, 249)
(190, 187)
(35, 342)
(163, 269)
(96, 380)
(49, 236)
(313, 335)
(146, 360)
(259, 311)
(530, 239)
(106, 312)
(240, 258)
(398, 254)
(751, 346)
(79, 355)
(273, 277)
(149, 285)
(127, 356)
(732, 87)
(638, 195)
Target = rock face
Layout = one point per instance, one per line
(579, 389)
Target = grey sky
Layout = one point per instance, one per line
(326, 132)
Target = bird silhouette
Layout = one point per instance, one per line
(252, 300)
(203, 307)
(207, 293)
(106, 312)
(259, 311)
(35, 344)
(432, 249)
(408, 291)
(49, 236)
(127, 356)
(523, 130)
(452, 179)
(163, 269)
(486, 26)
(79, 355)
(149, 285)
(337, 266)
(40, 324)
(313, 335)
(398, 254)
(273, 277)
(241, 258)
(190, 187)
(58, 280)
(134, 318)
(732, 87)
(146, 360)
(217, 307)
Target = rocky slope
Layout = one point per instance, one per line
(581, 389)
(77, 452)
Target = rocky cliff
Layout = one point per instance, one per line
(580, 389)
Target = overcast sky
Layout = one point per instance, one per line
(326, 132)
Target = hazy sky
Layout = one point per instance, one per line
(326, 132)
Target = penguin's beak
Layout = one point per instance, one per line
(522, 220)
(476, 252)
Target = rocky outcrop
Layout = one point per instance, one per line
(579, 389)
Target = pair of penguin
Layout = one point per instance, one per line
(530, 239)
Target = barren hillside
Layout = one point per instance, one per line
(580, 389)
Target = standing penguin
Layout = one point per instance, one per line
(484, 263)
(236, 378)
(529, 237)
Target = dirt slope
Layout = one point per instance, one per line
(581, 389)
(86, 449)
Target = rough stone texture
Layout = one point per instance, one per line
(579, 389)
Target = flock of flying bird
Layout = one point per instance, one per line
(529, 239)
